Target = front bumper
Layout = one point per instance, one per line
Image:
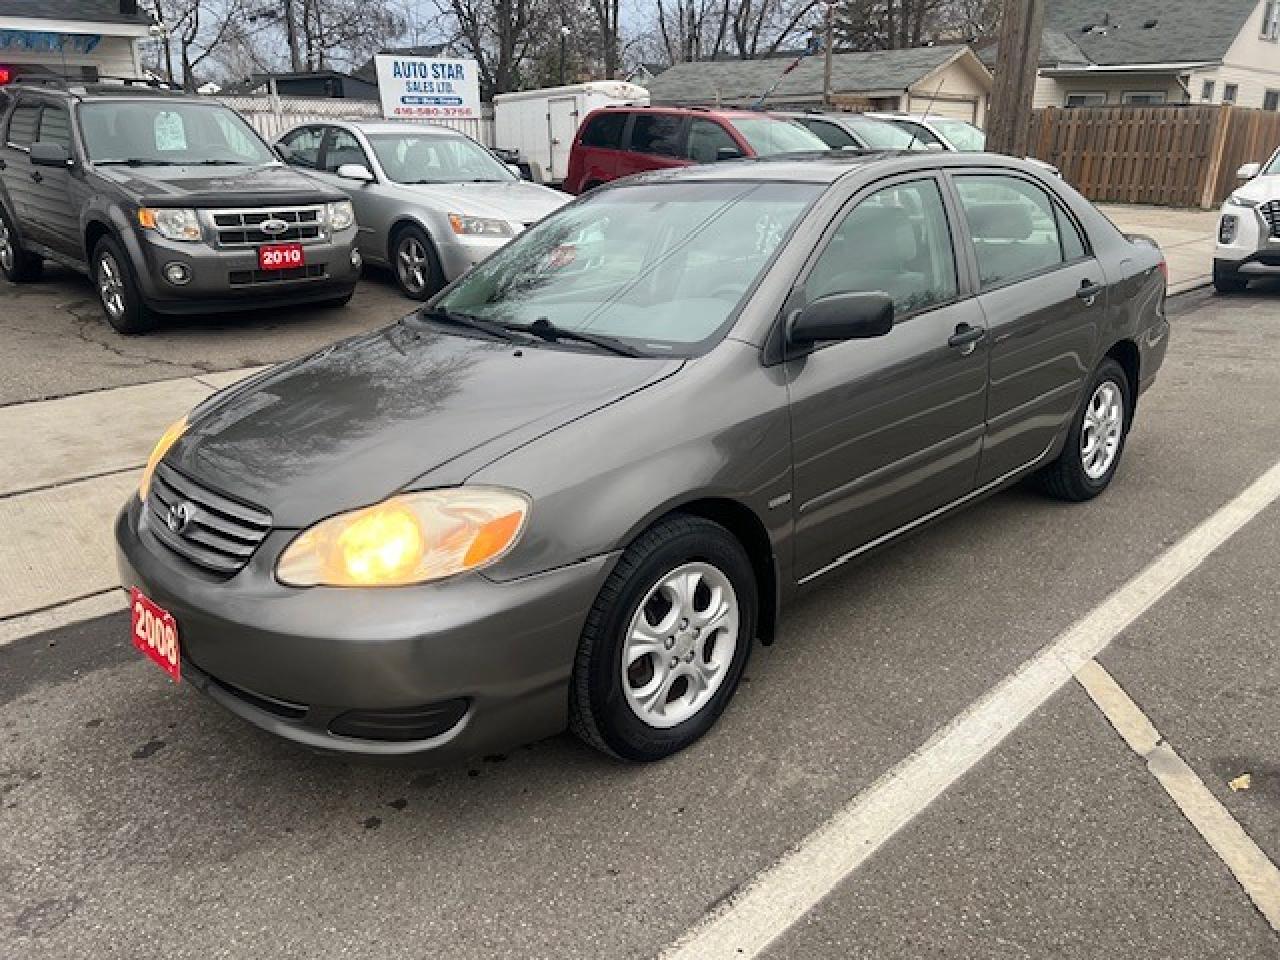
(460, 254)
(229, 278)
(1251, 245)
(293, 661)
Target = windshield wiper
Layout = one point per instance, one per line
(496, 330)
(546, 330)
(225, 163)
(138, 162)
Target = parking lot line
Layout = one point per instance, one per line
(1250, 866)
(747, 923)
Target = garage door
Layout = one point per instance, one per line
(959, 109)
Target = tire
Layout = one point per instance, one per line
(1078, 475)
(118, 292)
(17, 265)
(415, 264)
(605, 705)
(1227, 280)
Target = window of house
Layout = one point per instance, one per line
(1206, 91)
(55, 127)
(304, 146)
(22, 125)
(896, 242)
(1271, 100)
(706, 139)
(1229, 92)
(1271, 20)
(1085, 100)
(1143, 97)
(1014, 226)
(657, 133)
(605, 130)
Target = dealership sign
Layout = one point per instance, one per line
(428, 87)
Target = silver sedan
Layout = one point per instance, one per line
(431, 202)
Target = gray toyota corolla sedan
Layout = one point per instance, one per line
(581, 483)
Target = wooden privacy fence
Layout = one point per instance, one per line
(1173, 155)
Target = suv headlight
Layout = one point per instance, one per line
(1235, 200)
(409, 538)
(172, 223)
(479, 226)
(341, 215)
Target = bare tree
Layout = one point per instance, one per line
(501, 35)
(193, 31)
(891, 24)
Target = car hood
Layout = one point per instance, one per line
(1261, 189)
(513, 200)
(197, 186)
(366, 417)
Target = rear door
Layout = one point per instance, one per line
(20, 133)
(1043, 295)
(656, 142)
(562, 124)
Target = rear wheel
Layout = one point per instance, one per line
(1096, 441)
(16, 264)
(1228, 280)
(666, 642)
(417, 268)
(118, 291)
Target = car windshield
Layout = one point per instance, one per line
(883, 136)
(662, 267)
(961, 135)
(1274, 165)
(768, 137)
(436, 158)
(163, 131)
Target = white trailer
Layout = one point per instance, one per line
(540, 124)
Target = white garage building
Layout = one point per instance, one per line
(78, 39)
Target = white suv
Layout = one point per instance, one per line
(1249, 229)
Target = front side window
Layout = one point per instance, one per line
(657, 133)
(343, 149)
(1014, 227)
(768, 137)
(435, 158)
(963, 136)
(919, 133)
(160, 131)
(605, 130)
(884, 136)
(706, 141)
(22, 124)
(55, 127)
(304, 146)
(895, 242)
(833, 135)
(663, 266)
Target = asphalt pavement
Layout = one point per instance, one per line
(139, 820)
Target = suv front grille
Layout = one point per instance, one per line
(242, 228)
(1271, 213)
(246, 278)
(217, 535)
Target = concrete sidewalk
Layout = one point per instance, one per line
(1185, 236)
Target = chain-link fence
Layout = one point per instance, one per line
(272, 116)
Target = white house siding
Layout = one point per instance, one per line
(1053, 91)
(960, 92)
(113, 56)
(1253, 64)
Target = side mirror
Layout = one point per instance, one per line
(843, 316)
(728, 153)
(49, 155)
(355, 171)
(1248, 171)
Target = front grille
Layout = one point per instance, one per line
(241, 228)
(1271, 213)
(249, 278)
(220, 533)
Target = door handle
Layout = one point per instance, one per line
(36, 176)
(1088, 291)
(966, 338)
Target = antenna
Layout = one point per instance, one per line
(915, 135)
(809, 50)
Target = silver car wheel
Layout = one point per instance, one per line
(412, 264)
(1101, 431)
(680, 644)
(111, 286)
(6, 246)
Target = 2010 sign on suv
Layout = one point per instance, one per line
(580, 484)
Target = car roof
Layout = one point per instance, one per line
(60, 88)
(724, 112)
(392, 126)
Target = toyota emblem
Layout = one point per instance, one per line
(179, 517)
(273, 226)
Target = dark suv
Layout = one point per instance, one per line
(170, 203)
(616, 142)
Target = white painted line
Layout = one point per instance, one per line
(63, 615)
(1251, 867)
(747, 923)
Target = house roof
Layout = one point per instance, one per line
(737, 80)
(1055, 48)
(1184, 30)
(87, 11)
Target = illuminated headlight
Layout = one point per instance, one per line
(479, 226)
(410, 538)
(166, 441)
(1235, 200)
(1227, 229)
(341, 215)
(172, 223)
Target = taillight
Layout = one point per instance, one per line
(6, 75)
(1164, 269)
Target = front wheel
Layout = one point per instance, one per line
(417, 268)
(1092, 453)
(666, 642)
(1228, 280)
(118, 291)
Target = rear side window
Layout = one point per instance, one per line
(657, 133)
(604, 130)
(706, 139)
(22, 125)
(55, 127)
(1014, 227)
(831, 134)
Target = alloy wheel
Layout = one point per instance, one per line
(680, 644)
(412, 264)
(111, 286)
(1101, 431)
(6, 246)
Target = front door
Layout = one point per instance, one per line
(562, 124)
(887, 430)
(56, 191)
(1043, 296)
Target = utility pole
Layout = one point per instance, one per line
(828, 34)
(1018, 51)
